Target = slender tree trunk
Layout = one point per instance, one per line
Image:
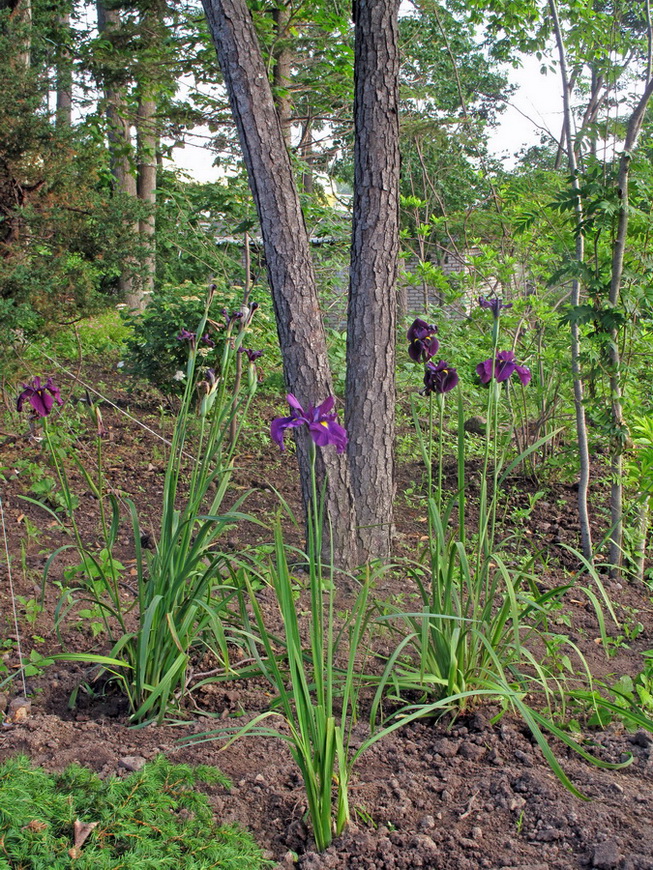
(120, 141)
(283, 71)
(286, 245)
(22, 18)
(64, 74)
(641, 539)
(581, 425)
(371, 318)
(618, 250)
(148, 141)
(306, 151)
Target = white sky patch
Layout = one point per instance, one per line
(536, 107)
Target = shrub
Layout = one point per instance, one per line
(153, 351)
(137, 821)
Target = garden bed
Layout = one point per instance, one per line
(448, 794)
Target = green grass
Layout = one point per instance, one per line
(151, 820)
(92, 337)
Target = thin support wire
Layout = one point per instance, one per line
(117, 407)
(13, 598)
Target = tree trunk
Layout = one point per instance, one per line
(306, 153)
(372, 312)
(120, 141)
(21, 17)
(581, 425)
(618, 250)
(283, 71)
(286, 245)
(148, 141)
(64, 74)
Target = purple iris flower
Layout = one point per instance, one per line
(504, 367)
(230, 319)
(423, 343)
(322, 424)
(40, 397)
(252, 355)
(190, 337)
(439, 378)
(495, 304)
(185, 335)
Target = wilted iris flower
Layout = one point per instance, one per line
(234, 317)
(495, 304)
(41, 397)
(186, 335)
(321, 421)
(252, 355)
(423, 343)
(504, 367)
(439, 378)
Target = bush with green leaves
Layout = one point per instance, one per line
(153, 819)
(153, 351)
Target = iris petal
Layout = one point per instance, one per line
(322, 425)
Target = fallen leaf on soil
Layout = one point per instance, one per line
(36, 826)
(81, 832)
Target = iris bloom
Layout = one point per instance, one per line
(321, 421)
(185, 335)
(439, 378)
(423, 343)
(190, 337)
(40, 397)
(495, 305)
(230, 319)
(504, 367)
(252, 355)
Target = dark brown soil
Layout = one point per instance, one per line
(449, 794)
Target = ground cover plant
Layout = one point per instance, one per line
(450, 658)
(153, 818)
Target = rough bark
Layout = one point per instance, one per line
(287, 253)
(371, 319)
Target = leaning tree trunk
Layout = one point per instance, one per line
(371, 318)
(286, 246)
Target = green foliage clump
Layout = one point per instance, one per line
(151, 820)
(154, 351)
